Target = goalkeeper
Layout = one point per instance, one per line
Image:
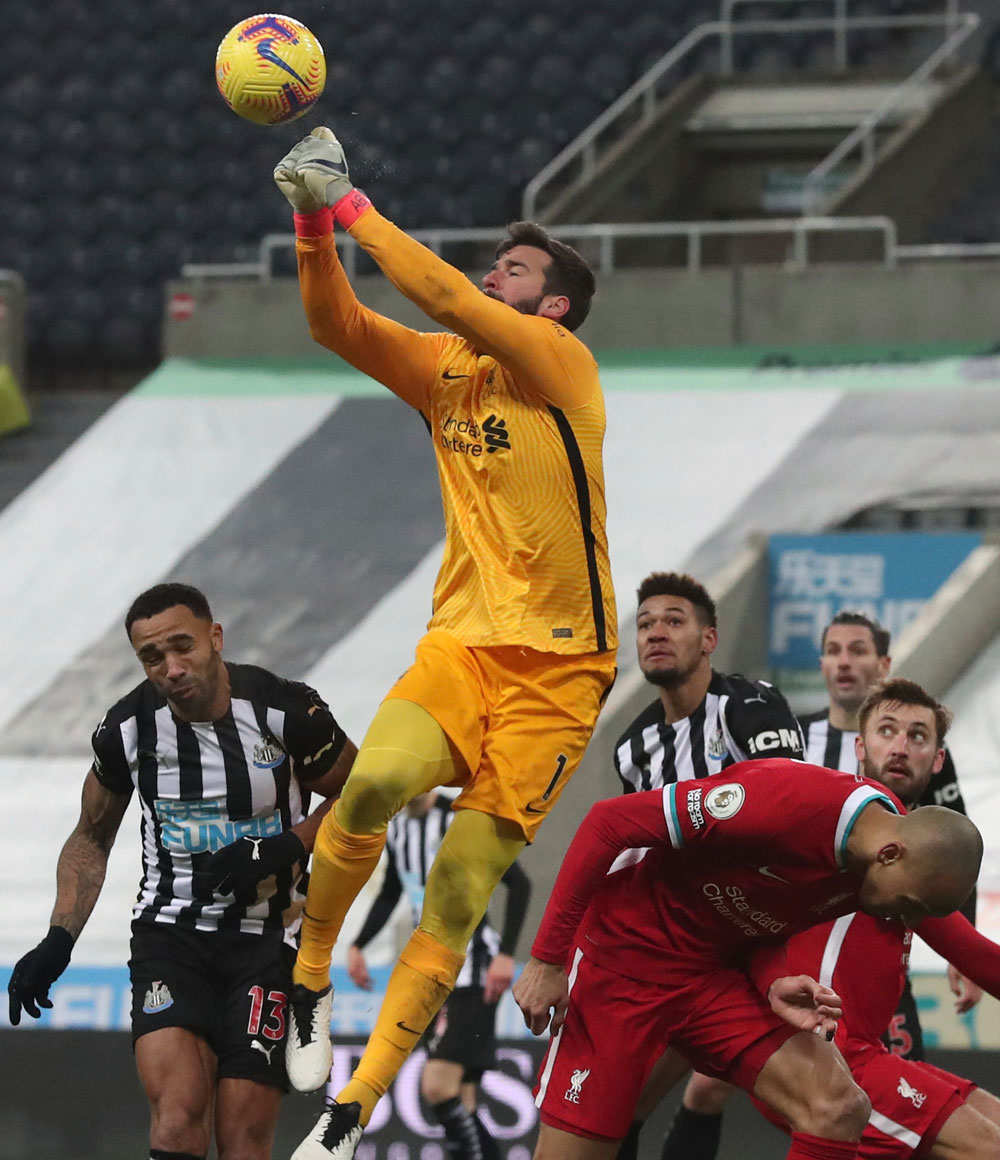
(508, 681)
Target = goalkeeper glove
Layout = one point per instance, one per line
(36, 971)
(241, 866)
(314, 174)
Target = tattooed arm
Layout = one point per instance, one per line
(83, 860)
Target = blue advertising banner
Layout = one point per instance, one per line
(91, 998)
(887, 576)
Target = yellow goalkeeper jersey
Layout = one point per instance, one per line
(516, 414)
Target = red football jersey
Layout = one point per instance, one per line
(754, 853)
(864, 959)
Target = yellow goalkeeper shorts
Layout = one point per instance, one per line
(521, 719)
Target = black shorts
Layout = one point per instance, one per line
(465, 1032)
(230, 988)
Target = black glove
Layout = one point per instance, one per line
(36, 971)
(238, 868)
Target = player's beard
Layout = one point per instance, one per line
(668, 678)
(907, 794)
(527, 306)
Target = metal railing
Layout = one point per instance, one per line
(637, 107)
(863, 136)
(606, 235)
(842, 25)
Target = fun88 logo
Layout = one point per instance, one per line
(202, 828)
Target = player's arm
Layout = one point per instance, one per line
(83, 860)
(541, 354)
(402, 359)
(957, 940)
(328, 787)
(322, 756)
(761, 723)
(609, 828)
(500, 973)
(80, 873)
(378, 915)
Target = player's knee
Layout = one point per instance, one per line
(706, 1096)
(436, 1087)
(376, 790)
(838, 1108)
(452, 901)
(982, 1142)
(179, 1122)
(254, 1141)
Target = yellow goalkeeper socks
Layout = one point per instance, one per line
(342, 863)
(418, 986)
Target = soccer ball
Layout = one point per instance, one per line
(270, 68)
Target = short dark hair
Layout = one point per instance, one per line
(683, 585)
(163, 596)
(569, 272)
(880, 635)
(904, 692)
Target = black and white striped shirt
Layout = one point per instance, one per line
(204, 785)
(827, 745)
(739, 719)
(411, 845)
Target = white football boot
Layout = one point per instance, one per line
(308, 1050)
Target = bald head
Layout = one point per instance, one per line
(947, 851)
(919, 864)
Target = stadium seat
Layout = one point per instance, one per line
(446, 111)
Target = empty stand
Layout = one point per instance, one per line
(126, 163)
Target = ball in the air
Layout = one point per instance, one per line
(270, 68)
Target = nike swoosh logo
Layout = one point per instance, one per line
(402, 1027)
(449, 375)
(266, 52)
(338, 167)
(766, 871)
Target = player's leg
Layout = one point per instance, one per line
(696, 1128)
(667, 1072)
(427, 732)
(807, 1082)
(254, 979)
(474, 854)
(462, 1048)
(441, 1086)
(441, 1079)
(557, 1144)
(177, 1071)
(246, 1113)
(971, 1132)
(174, 1026)
(404, 752)
(598, 1062)
(720, 1022)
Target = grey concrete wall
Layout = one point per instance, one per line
(914, 181)
(944, 301)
